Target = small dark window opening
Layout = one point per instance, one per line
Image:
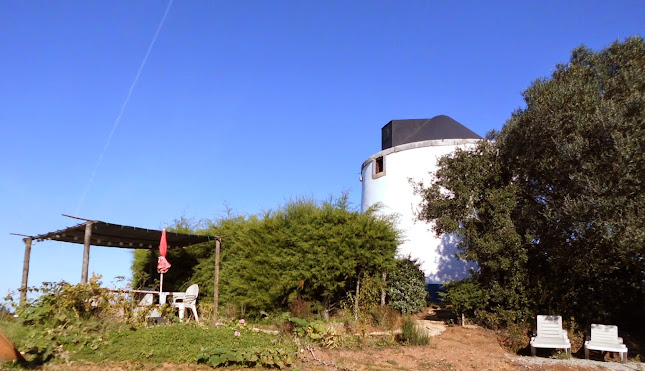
(379, 165)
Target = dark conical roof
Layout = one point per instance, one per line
(397, 132)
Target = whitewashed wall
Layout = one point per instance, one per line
(394, 191)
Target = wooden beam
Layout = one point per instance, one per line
(25, 271)
(218, 243)
(79, 218)
(86, 251)
(21, 235)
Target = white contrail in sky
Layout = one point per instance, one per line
(123, 106)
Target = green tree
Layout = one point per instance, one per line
(552, 209)
(474, 197)
(585, 179)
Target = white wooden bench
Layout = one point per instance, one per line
(605, 338)
(550, 334)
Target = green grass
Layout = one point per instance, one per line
(176, 343)
(11, 328)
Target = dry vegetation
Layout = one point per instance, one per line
(457, 348)
(452, 347)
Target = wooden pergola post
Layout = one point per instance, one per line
(218, 243)
(25, 271)
(86, 252)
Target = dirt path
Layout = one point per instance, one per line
(456, 348)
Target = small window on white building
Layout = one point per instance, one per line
(379, 167)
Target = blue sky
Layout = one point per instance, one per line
(244, 104)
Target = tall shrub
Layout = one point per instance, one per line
(313, 250)
(406, 286)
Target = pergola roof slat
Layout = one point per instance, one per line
(123, 236)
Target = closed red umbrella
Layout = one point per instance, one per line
(162, 264)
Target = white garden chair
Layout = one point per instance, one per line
(189, 300)
(605, 338)
(550, 335)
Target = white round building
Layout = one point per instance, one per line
(410, 150)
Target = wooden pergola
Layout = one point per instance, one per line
(98, 233)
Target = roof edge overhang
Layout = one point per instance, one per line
(122, 236)
(421, 144)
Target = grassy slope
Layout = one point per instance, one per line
(176, 343)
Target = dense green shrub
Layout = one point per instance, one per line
(465, 297)
(313, 250)
(315, 332)
(406, 289)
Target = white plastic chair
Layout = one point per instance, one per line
(550, 334)
(189, 300)
(605, 338)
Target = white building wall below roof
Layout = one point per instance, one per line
(394, 192)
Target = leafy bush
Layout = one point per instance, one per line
(411, 334)
(315, 332)
(465, 297)
(224, 357)
(66, 318)
(62, 303)
(406, 286)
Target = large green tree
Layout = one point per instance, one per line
(474, 197)
(552, 210)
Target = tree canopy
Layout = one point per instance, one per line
(551, 208)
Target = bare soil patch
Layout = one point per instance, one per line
(456, 348)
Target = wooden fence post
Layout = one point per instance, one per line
(86, 252)
(25, 271)
(218, 243)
